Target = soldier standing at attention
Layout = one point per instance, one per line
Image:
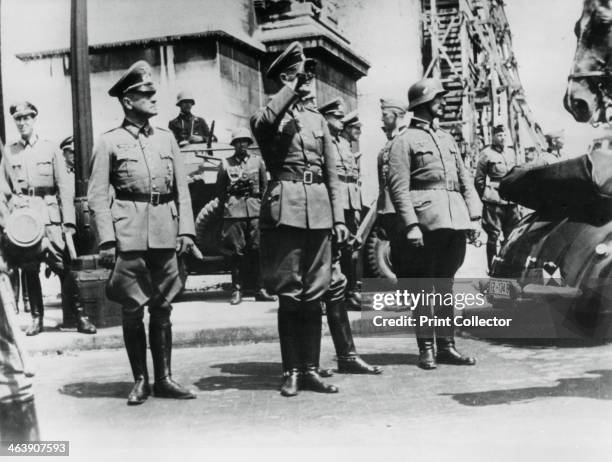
(437, 204)
(299, 209)
(337, 318)
(188, 128)
(149, 222)
(36, 173)
(498, 216)
(241, 181)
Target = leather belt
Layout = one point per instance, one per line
(154, 198)
(449, 185)
(306, 177)
(348, 179)
(40, 191)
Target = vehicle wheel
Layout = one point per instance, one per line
(377, 255)
(208, 228)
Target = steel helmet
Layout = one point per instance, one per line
(184, 96)
(241, 133)
(424, 91)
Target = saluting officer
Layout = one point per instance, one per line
(299, 209)
(149, 221)
(499, 216)
(337, 318)
(187, 127)
(36, 173)
(435, 199)
(393, 112)
(241, 181)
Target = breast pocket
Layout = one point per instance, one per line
(423, 158)
(18, 171)
(53, 209)
(168, 164)
(318, 139)
(126, 159)
(44, 168)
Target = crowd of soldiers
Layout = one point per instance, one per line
(291, 211)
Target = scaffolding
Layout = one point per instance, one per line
(468, 45)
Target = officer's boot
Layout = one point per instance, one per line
(237, 263)
(491, 253)
(71, 292)
(310, 335)
(261, 294)
(160, 339)
(424, 335)
(19, 421)
(135, 340)
(349, 362)
(36, 303)
(349, 269)
(288, 333)
(445, 342)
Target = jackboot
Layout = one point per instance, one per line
(310, 334)
(36, 303)
(349, 362)
(71, 291)
(237, 263)
(448, 354)
(160, 339)
(19, 421)
(491, 253)
(427, 359)
(288, 333)
(135, 340)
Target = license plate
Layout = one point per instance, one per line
(499, 287)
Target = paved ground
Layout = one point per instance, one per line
(518, 403)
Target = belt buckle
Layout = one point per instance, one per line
(155, 198)
(308, 177)
(31, 191)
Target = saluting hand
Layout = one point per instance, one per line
(108, 254)
(185, 245)
(341, 232)
(414, 236)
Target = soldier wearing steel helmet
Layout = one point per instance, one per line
(140, 234)
(187, 127)
(298, 212)
(436, 203)
(241, 181)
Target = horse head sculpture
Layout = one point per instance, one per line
(589, 91)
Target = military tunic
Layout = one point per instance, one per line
(302, 201)
(184, 126)
(135, 163)
(240, 183)
(499, 216)
(384, 206)
(36, 174)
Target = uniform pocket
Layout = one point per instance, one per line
(126, 158)
(168, 164)
(44, 168)
(270, 211)
(53, 209)
(423, 158)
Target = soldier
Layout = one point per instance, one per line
(188, 128)
(241, 180)
(499, 216)
(149, 222)
(553, 154)
(435, 200)
(298, 211)
(393, 112)
(336, 297)
(36, 173)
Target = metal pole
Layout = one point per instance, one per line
(81, 119)
(2, 126)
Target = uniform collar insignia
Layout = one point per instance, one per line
(420, 123)
(31, 142)
(135, 129)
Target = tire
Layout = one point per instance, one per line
(377, 255)
(208, 228)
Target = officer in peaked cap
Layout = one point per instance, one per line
(149, 222)
(437, 206)
(241, 181)
(300, 207)
(499, 217)
(343, 270)
(35, 170)
(188, 128)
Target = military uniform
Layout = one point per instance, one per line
(299, 208)
(499, 216)
(151, 208)
(431, 188)
(184, 126)
(240, 183)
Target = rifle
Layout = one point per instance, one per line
(210, 138)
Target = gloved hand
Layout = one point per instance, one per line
(414, 236)
(185, 245)
(108, 254)
(69, 229)
(341, 232)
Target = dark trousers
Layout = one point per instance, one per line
(498, 220)
(348, 262)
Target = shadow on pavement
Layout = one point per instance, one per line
(97, 390)
(599, 387)
(244, 376)
(389, 359)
